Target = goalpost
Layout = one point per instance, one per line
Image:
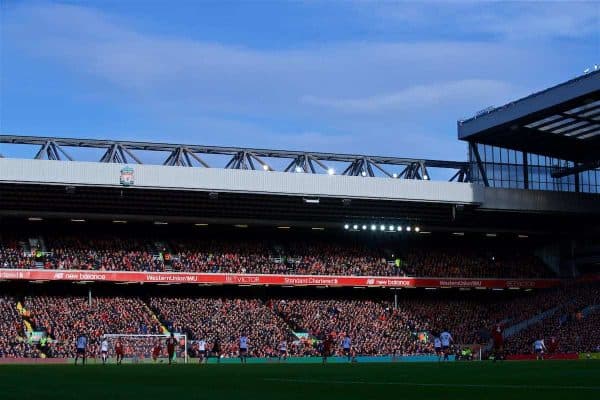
(138, 347)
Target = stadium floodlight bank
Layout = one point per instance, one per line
(143, 344)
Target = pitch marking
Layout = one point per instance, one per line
(456, 385)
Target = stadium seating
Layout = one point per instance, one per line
(65, 317)
(268, 257)
(374, 326)
(225, 319)
(573, 330)
(466, 262)
(13, 341)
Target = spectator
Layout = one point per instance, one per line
(257, 257)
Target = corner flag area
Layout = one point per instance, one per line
(478, 380)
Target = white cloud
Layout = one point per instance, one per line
(216, 76)
(293, 98)
(524, 20)
(568, 19)
(421, 96)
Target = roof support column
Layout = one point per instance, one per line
(577, 189)
(525, 170)
(475, 151)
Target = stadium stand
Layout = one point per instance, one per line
(66, 317)
(523, 207)
(269, 256)
(13, 343)
(573, 329)
(375, 326)
(226, 320)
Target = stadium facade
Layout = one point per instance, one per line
(219, 242)
(549, 140)
(532, 170)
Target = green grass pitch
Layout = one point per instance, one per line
(477, 380)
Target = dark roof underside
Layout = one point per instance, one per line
(54, 201)
(561, 122)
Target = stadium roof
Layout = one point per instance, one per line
(266, 160)
(94, 190)
(562, 122)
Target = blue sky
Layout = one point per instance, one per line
(385, 78)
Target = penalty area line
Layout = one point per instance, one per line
(449, 385)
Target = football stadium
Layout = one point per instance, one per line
(163, 268)
(305, 273)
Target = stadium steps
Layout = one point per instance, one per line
(25, 246)
(521, 326)
(163, 328)
(296, 330)
(36, 243)
(158, 248)
(590, 310)
(23, 313)
(515, 329)
(28, 326)
(290, 331)
(43, 244)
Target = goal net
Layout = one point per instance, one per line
(139, 348)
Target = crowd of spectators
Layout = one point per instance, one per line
(467, 262)
(12, 255)
(63, 318)
(374, 327)
(107, 254)
(269, 257)
(295, 258)
(13, 341)
(226, 320)
(582, 334)
(571, 327)
(468, 320)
